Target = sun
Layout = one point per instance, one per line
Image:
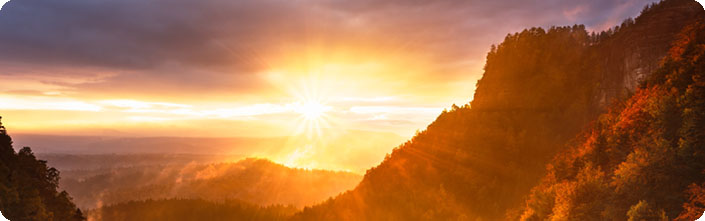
(313, 117)
(312, 110)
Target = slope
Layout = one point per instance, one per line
(256, 181)
(540, 88)
(189, 210)
(645, 159)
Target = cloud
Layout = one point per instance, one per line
(572, 14)
(393, 109)
(388, 65)
(161, 45)
(39, 103)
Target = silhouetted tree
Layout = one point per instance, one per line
(28, 188)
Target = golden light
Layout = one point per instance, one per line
(312, 110)
(313, 117)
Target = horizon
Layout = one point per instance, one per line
(348, 73)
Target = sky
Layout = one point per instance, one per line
(256, 68)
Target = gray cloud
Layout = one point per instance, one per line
(215, 44)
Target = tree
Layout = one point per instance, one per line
(28, 187)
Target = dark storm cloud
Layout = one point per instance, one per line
(206, 43)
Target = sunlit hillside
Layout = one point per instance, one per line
(256, 181)
(644, 160)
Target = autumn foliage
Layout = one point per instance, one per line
(645, 159)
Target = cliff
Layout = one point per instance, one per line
(539, 90)
(632, 54)
(643, 160)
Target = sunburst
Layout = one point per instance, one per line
(311, 110)
(313, 117)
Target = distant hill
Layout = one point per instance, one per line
(189, 210)
(85, 163)
(352, 150)
(140, 145)
(256, 181)
(540, 89)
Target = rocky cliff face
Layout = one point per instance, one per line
(612, 63)
(644, 159)
(635, 51)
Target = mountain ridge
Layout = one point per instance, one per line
(540, 89)
(256, 181)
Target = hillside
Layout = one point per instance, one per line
(28, 187)
(353, 150)
(189, 210)
(645, 159)
(539, 90)
(255, 181)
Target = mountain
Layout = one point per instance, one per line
(132, 145)
(645, 159)
(353, 150)
(98, 163)
(255, 181)
(189, 209)
(28, 188)
(540, 89)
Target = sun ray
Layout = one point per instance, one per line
(313, 122)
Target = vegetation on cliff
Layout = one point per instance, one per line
(645, 159)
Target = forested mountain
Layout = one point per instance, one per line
(189, 210)
(539, 90)
(28, 188)
(256, 181)
(645, 159)
(72, 165)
